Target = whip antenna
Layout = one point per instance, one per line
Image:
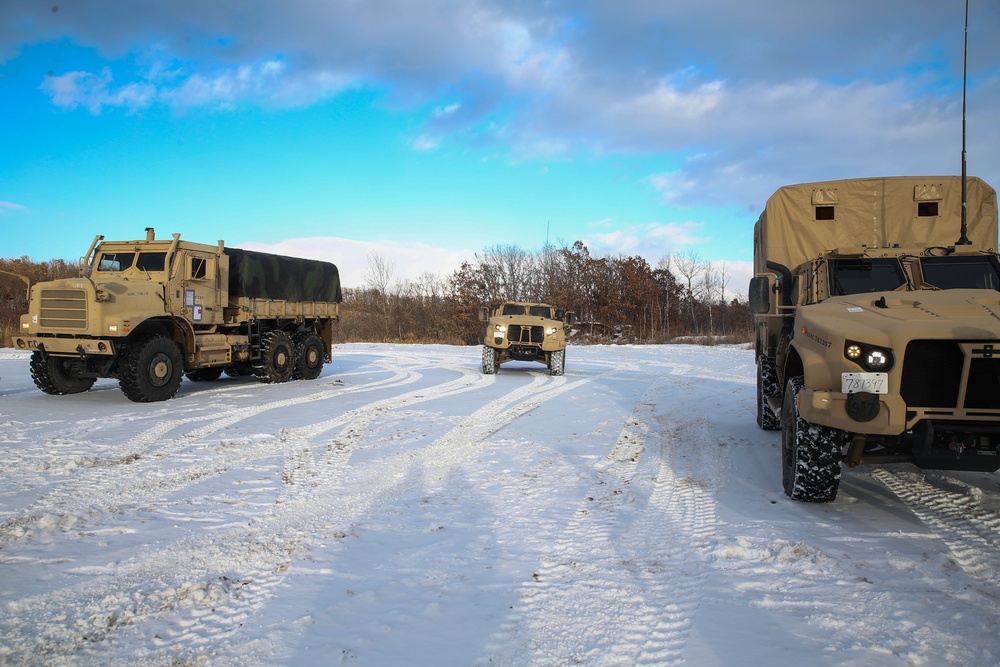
(964, 240)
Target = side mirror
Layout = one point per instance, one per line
(484, 314)
(570, 318)
(760, 295)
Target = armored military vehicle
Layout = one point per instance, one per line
(522, 331)
(877, 318)
(147, 312)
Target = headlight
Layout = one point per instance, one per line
(870, 357)
(550, 331)
(500, 328)
(876, 360)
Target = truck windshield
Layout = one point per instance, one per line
(859, 275)
(115, 261)
(123, 261)
(513, 309)
(540, 311)
(981, 272)
(151, 261)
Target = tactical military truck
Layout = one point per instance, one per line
(877, 324)
(147, 312)
(521, 331)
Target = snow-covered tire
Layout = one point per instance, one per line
(153, 369)
(490, 360)
(204, 374)
(557, 362)
(767, 386)
(310, 356)
(811, 455)
(56, 376)
(277, 358)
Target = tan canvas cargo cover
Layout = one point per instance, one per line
(801, 221)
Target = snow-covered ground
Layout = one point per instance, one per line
(404, 509)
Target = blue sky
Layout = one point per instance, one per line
(429, 130)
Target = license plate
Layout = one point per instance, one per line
(872, 383)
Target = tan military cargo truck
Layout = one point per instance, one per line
(147, 312)
(877, 331)
(522, 331)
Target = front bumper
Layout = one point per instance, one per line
(66, 346)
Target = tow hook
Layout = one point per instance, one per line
(956, 447)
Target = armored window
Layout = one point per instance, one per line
(825, 213)
(927, 209)
(860, 275)
(961, 272)
(151, 261)
(115, 261)
(199, 268)
(540, 311)
(513, 309)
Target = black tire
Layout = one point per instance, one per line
(491, 360)
(57, 375)
(557, 362)
(767, 386)
(204, 374)
(153, 369)
(310, 355)
(277, 358)
(811, 455)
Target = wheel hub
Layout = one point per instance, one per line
(160, 370)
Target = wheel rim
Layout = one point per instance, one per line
(160, 370)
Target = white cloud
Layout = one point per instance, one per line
(449, 110)
(425, 142)
(651, 241)
(6, 207)
(94, 92)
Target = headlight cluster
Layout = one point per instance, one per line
(870, 357)
(550, 331)
(500, 328)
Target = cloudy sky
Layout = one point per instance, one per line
(429, 130)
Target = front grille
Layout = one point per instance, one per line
(63, 309)
(984, 385)
(932, 377)
(521, 334)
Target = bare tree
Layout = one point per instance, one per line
(378, 278)
(688, 265)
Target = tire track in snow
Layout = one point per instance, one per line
(107, 483)
(577, 608)
(246, 562)
(953, 512)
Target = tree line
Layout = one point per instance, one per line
(615, 298)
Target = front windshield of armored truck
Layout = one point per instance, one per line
(513, 309)
(981, 272)
(862, 274)
(540, 311)
(151, 261)
(115, 261)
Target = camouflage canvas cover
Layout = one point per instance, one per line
(801, 221)
(259, 275)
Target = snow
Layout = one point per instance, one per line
(406, 509)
